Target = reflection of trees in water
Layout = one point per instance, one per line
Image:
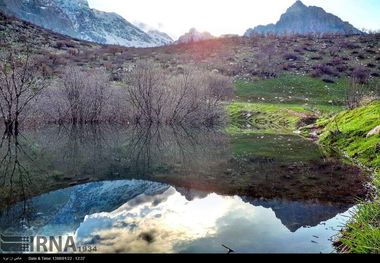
(107, 151)
(79, 148)
(59, 156)
(161, 149)
(15, 177)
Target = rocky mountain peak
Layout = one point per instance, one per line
(302, 19)
(194, 36)
(297, 6)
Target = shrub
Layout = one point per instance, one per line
(342, 68)
(192, 97)
(316, 58)
(79, 98)
(328, 80)
(349, 45)
(299, 51)
(360, 75)
(370, 51)
(370, 65)
(322, 69)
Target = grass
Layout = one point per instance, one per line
(285, 148)
(363, 232)
(347, 131)
(248, 118)
(278, 105)
(313, 94)
(263, 118)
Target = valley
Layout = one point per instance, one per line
(276, 125)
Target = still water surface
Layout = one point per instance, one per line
(174, 190)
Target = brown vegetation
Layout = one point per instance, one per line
(21, 82)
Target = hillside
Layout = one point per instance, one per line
(350, 132)
(328, 58)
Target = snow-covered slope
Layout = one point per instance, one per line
(159, 37)
(76, 19)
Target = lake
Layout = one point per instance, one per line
(172, 189)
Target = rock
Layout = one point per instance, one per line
(374, 131)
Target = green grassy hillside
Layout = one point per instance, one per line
(348, 132)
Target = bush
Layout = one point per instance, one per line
(316, 58)
(80, 97)
(360, 75)
(371, 65)
(192, 97)
(342, 68)
(370, 51)
(322, 69)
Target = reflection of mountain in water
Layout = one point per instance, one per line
(63, 210)
(295, 215)
(191, 194)
(126, 208)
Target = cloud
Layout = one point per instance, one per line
(157, 223)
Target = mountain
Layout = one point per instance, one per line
(297, 214)
(76, 19)
(194, 36)
(302, 19)
(159, 37)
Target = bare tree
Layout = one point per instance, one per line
(82, 97)
(191, 97)
(264, 59)
(146, 92)
(20, 83)
(85, 93)
(359, 88)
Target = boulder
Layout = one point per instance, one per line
(374, 131)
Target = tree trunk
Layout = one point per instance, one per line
(9, 127)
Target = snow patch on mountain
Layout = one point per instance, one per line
(76, 19)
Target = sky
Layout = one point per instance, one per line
(175, 17)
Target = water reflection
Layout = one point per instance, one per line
(259, 166)
(143, 216)
(172, 189)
